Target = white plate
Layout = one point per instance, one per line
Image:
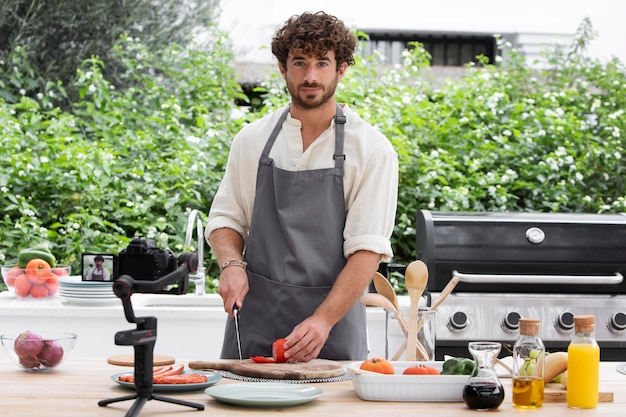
(212, 378)
(83, 294)
(91, 301)
(259, 394)
(76, 281)
(398, 387)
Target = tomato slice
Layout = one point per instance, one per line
(262, 359)
(278, 350)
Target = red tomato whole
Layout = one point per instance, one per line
(421, 370)
(278, 350)
(379, 365)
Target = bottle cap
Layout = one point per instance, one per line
(584, 323)
(529, 327)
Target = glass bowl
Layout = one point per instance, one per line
(38, 351)
(34, 283)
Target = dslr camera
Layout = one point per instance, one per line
(142, 260)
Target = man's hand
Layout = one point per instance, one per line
(307, 339)
(233, 288)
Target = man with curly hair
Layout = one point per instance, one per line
(306, 208)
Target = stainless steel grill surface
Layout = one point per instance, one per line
(545, 266)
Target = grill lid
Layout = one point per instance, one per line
(524, 252)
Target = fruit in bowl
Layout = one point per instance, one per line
(35, 274)
(36, 280)
(38, 351)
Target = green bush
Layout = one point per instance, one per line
(133, 162)
(122, 163)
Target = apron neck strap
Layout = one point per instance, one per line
(340, 121)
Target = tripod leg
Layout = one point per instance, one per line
(136, 407)
(104, 403)
(197, 406)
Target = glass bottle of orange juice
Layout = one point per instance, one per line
(583, 364)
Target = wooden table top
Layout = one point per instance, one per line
(76, 386)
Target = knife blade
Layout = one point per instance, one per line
(236, 314)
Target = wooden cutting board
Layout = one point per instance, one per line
(558, 394)
(315, 369)
(129, 360)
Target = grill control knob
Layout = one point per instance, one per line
(565, 322)
(618, 323)
(458, 322)
(510, 323)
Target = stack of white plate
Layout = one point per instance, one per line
(79, 292)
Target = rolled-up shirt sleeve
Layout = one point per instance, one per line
(372, 203)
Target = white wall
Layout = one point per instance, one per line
(251, 23)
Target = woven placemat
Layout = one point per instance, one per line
(227, 374)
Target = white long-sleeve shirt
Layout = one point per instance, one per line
(370, 177)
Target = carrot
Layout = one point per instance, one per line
(181, 379)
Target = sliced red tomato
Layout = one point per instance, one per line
(262, 359)
(278, 350)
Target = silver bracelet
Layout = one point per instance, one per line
(233, 262)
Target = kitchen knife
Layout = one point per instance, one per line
(236, 314)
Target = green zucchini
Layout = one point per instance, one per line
(27, 255)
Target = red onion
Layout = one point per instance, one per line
(28, 345)
(51, 354)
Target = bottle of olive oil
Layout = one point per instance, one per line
(528, 365)
(583, 364)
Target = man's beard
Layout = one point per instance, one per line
(310, 102)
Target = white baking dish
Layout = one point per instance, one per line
(398, 387)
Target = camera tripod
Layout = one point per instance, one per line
(143, 339)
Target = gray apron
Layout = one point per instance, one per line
(294, 255)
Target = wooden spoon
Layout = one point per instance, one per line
(442, 296)
(384, 287)
(377, 300)
(416, 277)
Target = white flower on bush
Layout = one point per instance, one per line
(616, 132)
(192, 139)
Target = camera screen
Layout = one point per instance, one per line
(98, 267)
(137, 266)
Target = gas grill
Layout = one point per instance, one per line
(536, 265)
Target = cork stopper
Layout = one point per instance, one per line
(584, 324)
(529, 327)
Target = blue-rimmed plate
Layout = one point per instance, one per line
(259, 394)
(212, 378)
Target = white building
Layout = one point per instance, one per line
(529, 25)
